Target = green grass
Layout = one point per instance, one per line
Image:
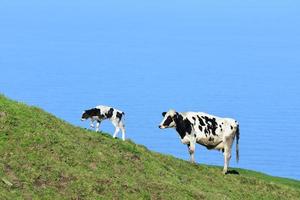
(43, 157)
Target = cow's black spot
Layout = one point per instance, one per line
(201, 121)
(211, 139)
(195, 135)
(119, 116)
(231, 127)
(168, 121)
(200, 128)
(94, 112)
(205, 131)
(221, 129)
(220, 126)
(194, 118)
(85, 115)
(211, 124)
(109, 114)
(183, 126)
(210, 146)
(164, 113)
(91, 113)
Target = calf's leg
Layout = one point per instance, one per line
(92, 123)
(117, 129)
(98, 125)
(116, 132)
(119, 125)
(123, 132)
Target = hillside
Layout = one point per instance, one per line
(43, 157)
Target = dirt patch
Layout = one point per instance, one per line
(132, 157)
(12, 177)
(93, 165)
(2, 115)
(102, 185)
(40, 182)
(135, 157)
(104, 182)
(64, 180)
(2, 119)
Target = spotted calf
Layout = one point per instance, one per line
(100, 113)
(208, 130)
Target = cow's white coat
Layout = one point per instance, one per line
(226, 129)
(117, 123)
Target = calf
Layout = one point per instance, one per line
(208, 130)
(100, 113)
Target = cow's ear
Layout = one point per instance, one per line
(164, 113)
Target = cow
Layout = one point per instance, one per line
(210, 131)
(100, 113)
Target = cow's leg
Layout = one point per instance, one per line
(123, 133)
(98, 125)
(116, 132)
(191, 147)
(227, 153)
(117, 129)
(92, 123)
(226, 160)
(122, 127)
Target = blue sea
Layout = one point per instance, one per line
(238, 59)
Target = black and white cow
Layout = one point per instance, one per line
(208, 130)
(100, 113)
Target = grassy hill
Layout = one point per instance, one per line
(43, 157)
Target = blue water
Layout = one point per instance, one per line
(233, 59)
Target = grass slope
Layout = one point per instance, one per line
(43, 157)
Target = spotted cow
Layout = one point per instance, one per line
(205, 129)
(100, 113)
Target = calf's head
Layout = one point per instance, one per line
(94, 112)
(85, 115)
(169, 120)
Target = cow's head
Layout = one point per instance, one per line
(169, 120)
(94, 112)
(85, 115)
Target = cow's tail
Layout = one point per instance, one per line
(237, 142)
(123, 118)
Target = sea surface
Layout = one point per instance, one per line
(231, 59)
